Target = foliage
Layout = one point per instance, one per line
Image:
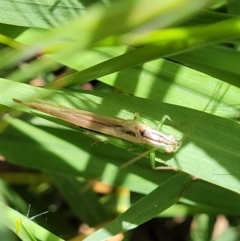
(176, 57)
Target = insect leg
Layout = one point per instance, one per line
(163, 120)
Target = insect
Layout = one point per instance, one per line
(130, 130)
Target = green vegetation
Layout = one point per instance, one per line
(176, 58)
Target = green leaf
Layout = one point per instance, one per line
(25, 228)
(46, 14)
(203, 152)
(149, 205)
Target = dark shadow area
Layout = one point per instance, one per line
(167, 229)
